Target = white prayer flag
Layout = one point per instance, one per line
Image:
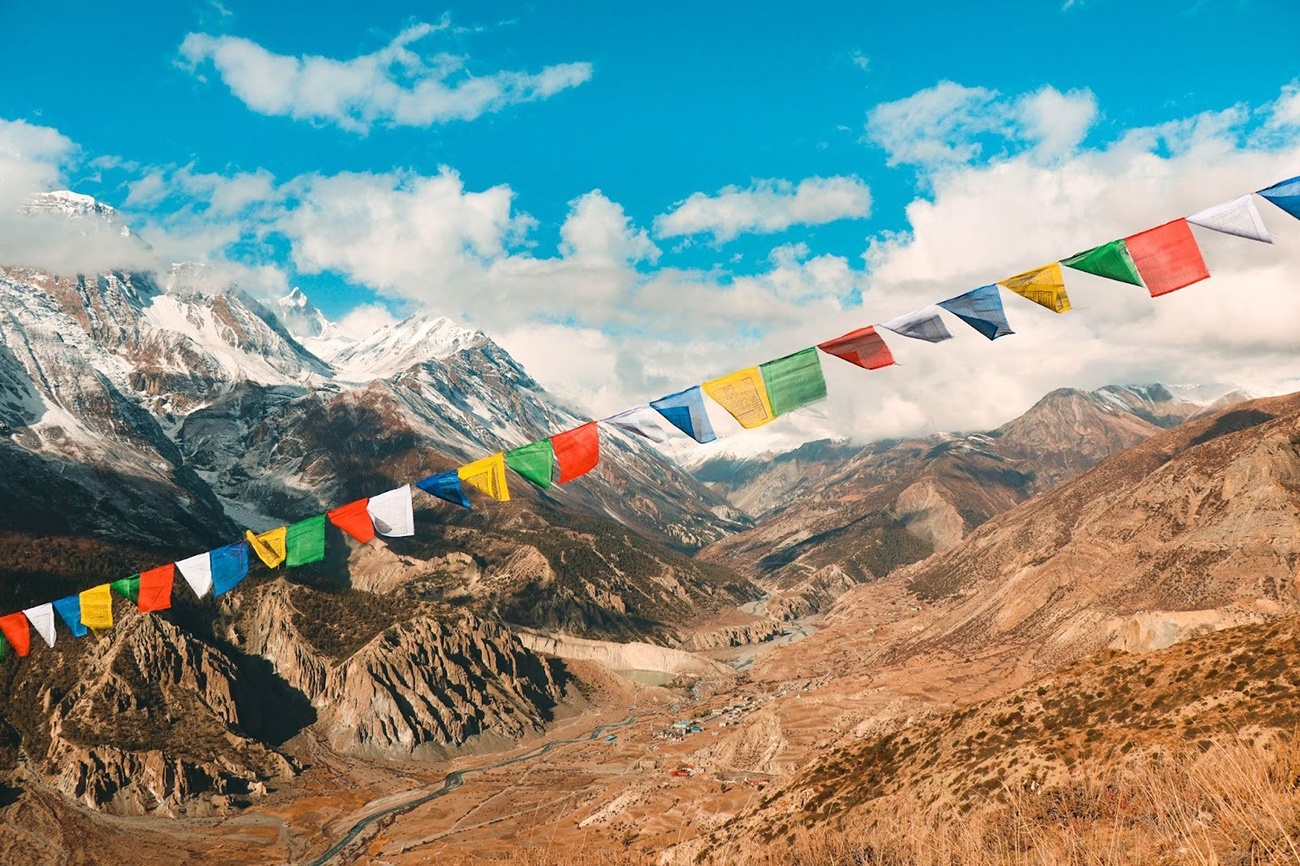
(1238, 217)
(197, 571)
(922, 324)
(643, 421)
(42, 619)
(391, 512)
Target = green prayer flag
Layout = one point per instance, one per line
(304, 541)
(4, 647)
(533, 461)
(793, 381)
(127, 587)
(1111, 261)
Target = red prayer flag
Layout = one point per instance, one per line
(17, 632)
(863, 347)
(156, 588)
(577, 451)
(1167, 257)
(354, 520)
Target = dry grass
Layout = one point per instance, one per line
(1230, 804)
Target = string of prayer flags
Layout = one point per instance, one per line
(96, 608)
(641, 420)
(269, 546)
(1238, 217)
(1285, 195)
(354, 519)
(794, 380)
(304, 542)
(14, 628)
(392, 512)
(229, 566)
(863, 347)
(1110, 260)
(685, 411)
(1044, 286)
(487, 475)
(981, 309)
(535, 461)
(127, 587)
(1167, 257)
(743, 395)
(42, 619)
(447, 487)
(197, 571)
(69, 610)
(923, 324)
(155, 588)
(577, 451)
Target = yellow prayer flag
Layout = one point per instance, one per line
(744, 395)
(1044, 286)
(270, 547)
(487, 475)
(97, 607)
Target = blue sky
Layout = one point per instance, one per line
(841, 128)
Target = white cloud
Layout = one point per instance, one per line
(767, 206)
(395, 85)
(365, 320)
(948, 124)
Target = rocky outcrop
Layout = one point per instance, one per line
(424, 687)
(624, 656)
(421, 687)
(154, 721)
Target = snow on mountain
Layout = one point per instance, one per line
(414, 340)
(75, 206)
(322, 337)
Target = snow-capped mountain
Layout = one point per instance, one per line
(97, 215)
(117, 372)
(414, 340)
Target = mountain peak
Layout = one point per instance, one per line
(74, 205)
(418, 338)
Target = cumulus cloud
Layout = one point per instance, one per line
(949, 124)
(395, 85)
(766, 207)
(366, 319)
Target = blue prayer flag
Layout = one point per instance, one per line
(981, 309)
(1285, 195)
(229, 566)
(445, 486)
(70, 612)
(685, 411)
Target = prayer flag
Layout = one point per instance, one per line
(97, 607)
(1167, 257)
(641, 420)
(354, 519)
(14, 628)
(269, 546)
(1110, 260)
(392, 512)
(229, 567)
(981, 309)
(42, 619)
(685, 411)
(1285, 195)
(69, 610)
(577, 451)
(1238, 217)
(534, 461)
(4, 647)
(304, 542)
(197, 571)
(794, 380)
(743, 395)
(1044, 286)
(923, 324)
(155, 588)
(128, 588)
(487, 475)
(447, 487)
(863, 347)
